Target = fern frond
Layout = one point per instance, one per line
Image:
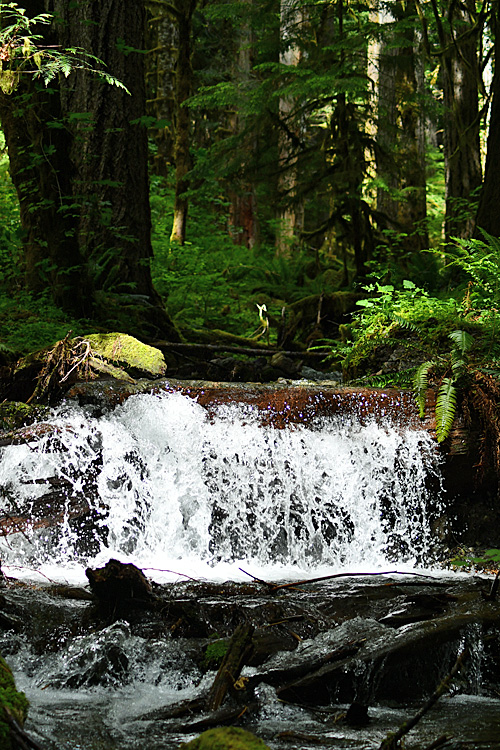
(462, 340)
(421, 384)
(446, 405)
(403, 322)
(458, 364)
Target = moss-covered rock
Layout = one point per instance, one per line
(225, 738)
(15, 414)
(11, 700)
(128, 353)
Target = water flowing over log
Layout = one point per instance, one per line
(278, 404)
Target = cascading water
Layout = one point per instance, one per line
(175, 488)
(182, 490)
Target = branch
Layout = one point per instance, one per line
(391, 742)
(168, 7)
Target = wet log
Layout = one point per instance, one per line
(239, 649)
(55, 506)
(278, 404)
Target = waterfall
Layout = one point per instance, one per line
(175, 488)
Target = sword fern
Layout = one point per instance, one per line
(446, 401)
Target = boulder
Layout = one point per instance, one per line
(225, 738)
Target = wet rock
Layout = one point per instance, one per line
(225, 738)
(357, 715)
(13, 707)
(119, 582)
(96, 659)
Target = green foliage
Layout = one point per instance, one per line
(29, 322)
(446, 399)
(479, 260)
(489, 559)
(24, 52)
(388, 311)
(215, 652)
(211, 282)
(446, 403)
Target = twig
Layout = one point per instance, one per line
(492, 593)
(391, 742)
(259, 580)
(343, 575)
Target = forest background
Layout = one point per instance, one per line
(303, 174)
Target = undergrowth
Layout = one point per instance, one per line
(211, 282)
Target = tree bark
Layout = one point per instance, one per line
(42, 172)
(290, 214)
(462, 155)
(160, 85)
(488, 215)
(401, 139)
(85, 208)
(243, 220)
(183, 86)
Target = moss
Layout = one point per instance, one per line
(225, 738)
(215, 652)
(14, 414)
(12, 700)
(128, 352)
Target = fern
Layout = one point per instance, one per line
(462, 340)
(421, 384)
(403, 322)
(446, 404)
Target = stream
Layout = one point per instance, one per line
(217, 509)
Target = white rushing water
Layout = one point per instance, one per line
(180, 492)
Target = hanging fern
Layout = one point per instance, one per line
(446, 404)
(421, 384)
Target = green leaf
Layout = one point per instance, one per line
(446, 404)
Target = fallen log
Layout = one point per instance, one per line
(54, 507)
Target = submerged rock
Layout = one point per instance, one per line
(225, 738)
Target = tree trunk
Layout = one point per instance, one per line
(462, 155)
(290, 215)
(243, 212)
(163, 39)
(401, 139)
(183, 86)
(42, 172)
(93, 157)
(488, 215)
